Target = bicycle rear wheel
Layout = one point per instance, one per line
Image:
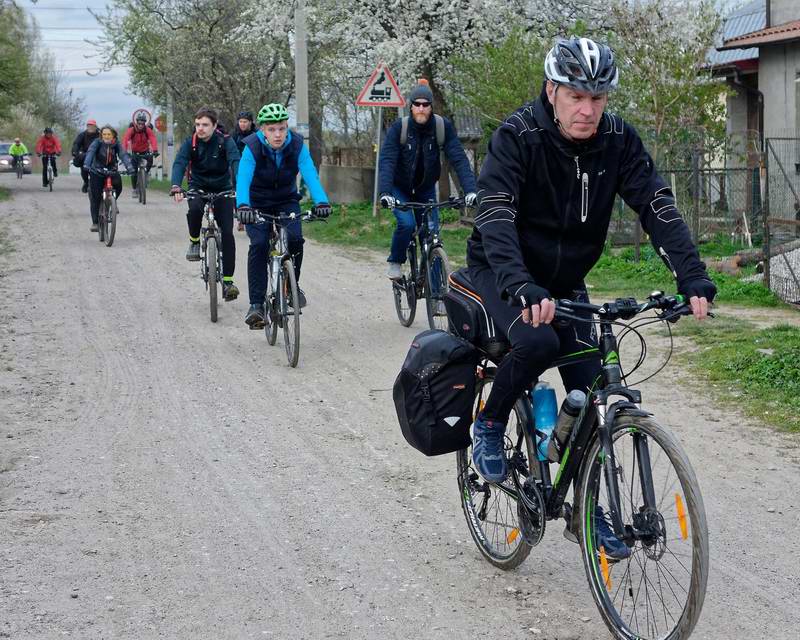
(111, 222)
(491, 510)
(290, 312)
(438, 270)
(658, 591)
(404, 290)
(270, 319)
(213, 275)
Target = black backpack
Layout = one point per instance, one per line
(435, 391)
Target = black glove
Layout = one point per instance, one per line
(175, 190)
(388, 201)
(246, 215)
(322, 210)
(155, 154)
(58, 155)
(700, 287)
(526, 295)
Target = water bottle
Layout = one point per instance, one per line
(566, 420)
(544, 414)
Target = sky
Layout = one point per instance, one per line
(64, 26)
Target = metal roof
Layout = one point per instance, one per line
(747, 19)
(786, 32)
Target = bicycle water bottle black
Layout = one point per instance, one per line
(570, 409)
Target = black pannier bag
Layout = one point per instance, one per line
(468, 317)
(434, 392)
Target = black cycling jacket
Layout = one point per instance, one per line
(545, 203)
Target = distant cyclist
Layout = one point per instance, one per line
(410, 168)
(268, 181)
(140, 139)
(244, 127)
(79, 148)
(104, 154)
(48, 145)
(211, 160)
(17, 151)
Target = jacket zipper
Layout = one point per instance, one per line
(584, 197)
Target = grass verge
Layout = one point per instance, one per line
(5, 194)
(758, 369)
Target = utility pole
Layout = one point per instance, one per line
(301, 68)
(169, 147)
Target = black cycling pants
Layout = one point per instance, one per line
(96, 183)
(532, 350)
(135, 158)
(223, 214)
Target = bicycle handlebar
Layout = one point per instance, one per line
(453, 203)
(263, 216)
(207, 196)
(672, 307)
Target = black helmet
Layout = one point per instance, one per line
(582, 64)
(141, 117)
(48, 130)
(245, 114)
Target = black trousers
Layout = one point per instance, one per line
(96, 183)
(135, 158)
(223, 214)
(52, 161)
(533, 350)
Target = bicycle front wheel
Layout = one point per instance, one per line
(111, 221)
(658, 591)
(141, 186)
(491, 510)
(20, 170)
(404, 290)
(101, 226)
(290, 312)
(270, 319)
(213, 276)
(50, 176)
(438, 270)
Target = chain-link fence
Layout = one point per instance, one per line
(781, 244)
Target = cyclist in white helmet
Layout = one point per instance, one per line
(546, 193)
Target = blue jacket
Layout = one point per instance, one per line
(398, 165)
(106, 156)
(247, 177)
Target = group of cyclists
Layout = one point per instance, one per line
(48, 147)
(544, 199)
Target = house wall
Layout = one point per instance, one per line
(783, 11)
(779, 70)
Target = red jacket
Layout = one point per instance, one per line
(49, 146)
(139, 141)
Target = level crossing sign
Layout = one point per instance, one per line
(381, 90)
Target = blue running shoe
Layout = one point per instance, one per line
(487, 450)
(615, 548)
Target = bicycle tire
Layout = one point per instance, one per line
(291, 319)
(101, 221)
(141, 186)
(111, 221)
(50, 175)
(606, 593)
(20, 169)
(213, 275)
(438, 270)
(270, 321)
(509, 550)
(404, 291)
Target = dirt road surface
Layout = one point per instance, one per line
(165, 477)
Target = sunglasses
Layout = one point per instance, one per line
(421, 105)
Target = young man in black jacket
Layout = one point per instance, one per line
(546, 193)
(410, 169)
(79, 148)
(212, 161)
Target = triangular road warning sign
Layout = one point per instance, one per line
(381, 90)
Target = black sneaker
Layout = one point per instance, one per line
(301, 296)
(193, 252)
(255, 317)
(229, 290)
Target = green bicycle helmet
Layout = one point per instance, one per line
(272, 113)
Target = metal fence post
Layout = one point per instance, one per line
(767, 256)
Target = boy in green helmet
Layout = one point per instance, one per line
(267, 181)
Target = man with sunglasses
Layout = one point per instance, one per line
(410, 169)
(546, 193)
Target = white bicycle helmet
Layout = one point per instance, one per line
(582, 64)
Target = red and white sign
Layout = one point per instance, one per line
(141, 110)
(381, 90)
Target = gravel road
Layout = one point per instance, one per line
(165, 477)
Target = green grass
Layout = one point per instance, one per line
(617, 273)
(353, 225)
(758, 369)
(5, 194)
